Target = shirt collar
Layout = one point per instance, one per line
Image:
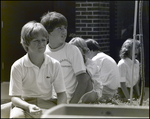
(28, 63)
(129, 61)
(56, 49)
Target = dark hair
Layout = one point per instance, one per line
(52, 20)
(29, 31)
(93, 45)
(127, 45)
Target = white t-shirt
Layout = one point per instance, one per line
(93, 70)
(28, 80)
(125, 68)
(109, 72)
(72, 64)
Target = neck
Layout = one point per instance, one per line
(37, 59)
(54, 46)
(96, 52)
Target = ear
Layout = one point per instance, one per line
(26, 45)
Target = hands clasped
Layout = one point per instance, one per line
(35, 110)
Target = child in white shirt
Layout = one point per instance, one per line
(69, 56)
(92, 69)
(109, 72)
(33, 74)
(125, 68)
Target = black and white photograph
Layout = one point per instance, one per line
(75, 59)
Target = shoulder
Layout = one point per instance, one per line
(71, 47)
(51, 60)
(19, 65)
(108, 56)
(122, 62)
(102, 56)
(19, 62)
(72, 50)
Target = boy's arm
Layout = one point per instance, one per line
(84, 85)
(124, 89)
(61, 98)
(17, 101)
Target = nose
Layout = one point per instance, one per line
(41, 43)
(63, 29)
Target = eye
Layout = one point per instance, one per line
(35, 41)
(44, 40)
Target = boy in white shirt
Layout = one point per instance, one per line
(125, 68)
(92, 69)
(33, 74)
(77, 81)
(108, 70)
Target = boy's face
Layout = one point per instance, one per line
(58, 35)
(38, 44)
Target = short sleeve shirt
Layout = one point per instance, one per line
(28, 80)
(93, 70)
(108, 70)
(125, 68)
(72, 64)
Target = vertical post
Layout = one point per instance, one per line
(133, 49)
(142, 53)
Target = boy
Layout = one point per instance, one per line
(109, 73)
(77, 81)
(33, 74)
(92, 69)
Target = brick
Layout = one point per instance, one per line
(80, 17)
(92, 21)
(86, 29)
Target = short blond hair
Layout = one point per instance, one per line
(79, 42)
(29, 31)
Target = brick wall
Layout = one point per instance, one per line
(92, 21)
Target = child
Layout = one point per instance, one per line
(77, 81)
(92, 69)
(109, 73)
(125, 68)
(33, 74)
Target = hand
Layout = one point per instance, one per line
(33, 109)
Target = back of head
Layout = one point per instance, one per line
(126, 47)
(80, 43)
(93, 45)
(29, 31)
(52, 20)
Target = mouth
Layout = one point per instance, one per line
(41, 47)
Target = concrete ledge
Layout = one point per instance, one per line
(97, 111)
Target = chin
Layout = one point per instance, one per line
(42, 50)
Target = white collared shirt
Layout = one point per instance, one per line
(31, 81)
(108, 70)
(125, 68)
